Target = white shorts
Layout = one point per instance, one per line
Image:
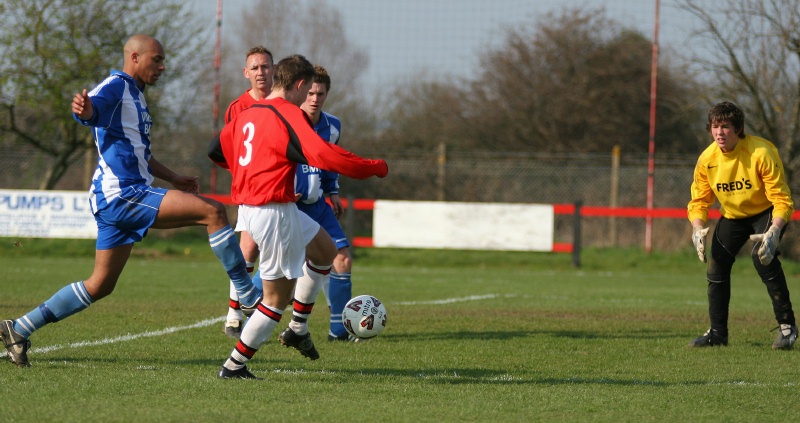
(239, 224)
(281, 232)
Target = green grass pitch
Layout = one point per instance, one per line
(471, 336)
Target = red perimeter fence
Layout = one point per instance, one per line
(559, 209)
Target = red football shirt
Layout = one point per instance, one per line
(263, 144)
(242, 102)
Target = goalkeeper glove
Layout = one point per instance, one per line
(699, 239)
(769, 244)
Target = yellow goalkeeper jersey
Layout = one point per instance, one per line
(746, 181)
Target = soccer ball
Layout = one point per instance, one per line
(364, 317)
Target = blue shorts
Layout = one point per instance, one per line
(127, 218)
(322, 213)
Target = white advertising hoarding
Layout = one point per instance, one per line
(403, 224)
(46, 214)
(467, 226)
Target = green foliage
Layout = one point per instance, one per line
(468, 339)
(569, 82)
(53, 49)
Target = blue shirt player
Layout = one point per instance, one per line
(123, 202)
(312, 184)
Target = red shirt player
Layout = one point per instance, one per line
(258, 70)
(262, 146)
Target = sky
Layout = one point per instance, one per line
(446, 37)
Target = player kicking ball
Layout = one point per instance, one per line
(262, 147)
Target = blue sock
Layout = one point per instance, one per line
(257, 282)
(225, 246)
(64, 303)
(340, 291)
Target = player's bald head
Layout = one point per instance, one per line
(144, 59)
(139, 44)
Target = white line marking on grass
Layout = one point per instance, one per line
(209, 322)
(129, 337)
(456, 300)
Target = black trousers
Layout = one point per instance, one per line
(729, 237)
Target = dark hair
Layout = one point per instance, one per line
(322, 77)
(727, 112)
(259, 50)
(290, 70)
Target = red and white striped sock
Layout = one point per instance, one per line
(306, 292)
(258, 329)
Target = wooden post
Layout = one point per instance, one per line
(441, 176)
(614, 200)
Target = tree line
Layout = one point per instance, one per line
(571, 81)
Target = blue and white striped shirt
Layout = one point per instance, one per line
(121, 126)
(310, 181)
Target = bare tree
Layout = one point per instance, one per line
(52, 49)
(571, 82)
(426, 114)
(313, 29)
(750, 53)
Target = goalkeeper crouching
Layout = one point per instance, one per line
(745, 174)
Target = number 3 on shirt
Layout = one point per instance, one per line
(249, 131)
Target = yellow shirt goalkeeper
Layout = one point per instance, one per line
(745, 174)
